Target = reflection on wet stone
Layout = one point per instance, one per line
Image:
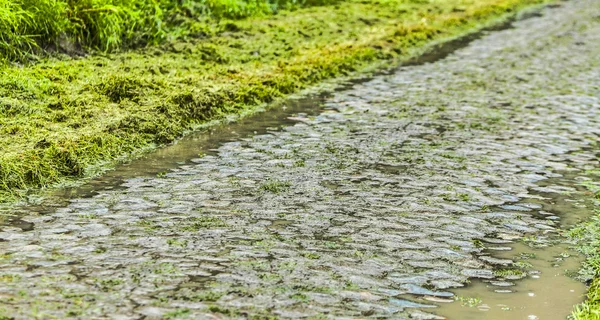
(392, 194)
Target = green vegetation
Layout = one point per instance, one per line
(523, 265)
(587, 238)
(470, 302)
(204, 296)
(179, 313)
(108, 284)
(9, 277)
(590, 309)
(311, 255)
(204, 222)
(504, 273)
(177, 64)
(27, 27)
(275, 186)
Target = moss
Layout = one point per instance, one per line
(118, 88)
(503, 273)
(300, 297)
(225, 311)
(275, 186)
(199, 223)
(177, 243)
(109, 284)
(165, 268)
(311, 255)
(67, 117)
(179, 313)
(210, 296)
(9, 277)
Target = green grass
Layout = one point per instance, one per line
(275, 186)
(590, 309)
(503, 273)
(587, 238)
(179, 313)
(27, 27)
(198, 223)
(68, 116)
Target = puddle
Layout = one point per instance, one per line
(172, 157)
(202, 142)
(547, 290)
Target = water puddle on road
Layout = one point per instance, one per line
(542, 286)
(547, 292)
(544, 289)
(172, 157)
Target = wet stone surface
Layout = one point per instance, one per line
(393, 192)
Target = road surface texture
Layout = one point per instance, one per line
(393, 191)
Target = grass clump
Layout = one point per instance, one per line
(275, 186)
(178, 313)
(9, 277)
(65, 117)
(508, 273)
(205, 222)
(590, 309)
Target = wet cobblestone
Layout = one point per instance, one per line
(394, 190)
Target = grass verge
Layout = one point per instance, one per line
(587, 238)
(63, 116)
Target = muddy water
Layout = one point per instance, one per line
(547, 292)
(200, 143)
(547, 289)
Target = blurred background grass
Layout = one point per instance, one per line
(29, 28)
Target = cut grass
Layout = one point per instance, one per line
(62, 117)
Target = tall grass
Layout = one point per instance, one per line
(23, 24)
(28, 27)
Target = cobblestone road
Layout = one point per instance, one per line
(394, 189)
